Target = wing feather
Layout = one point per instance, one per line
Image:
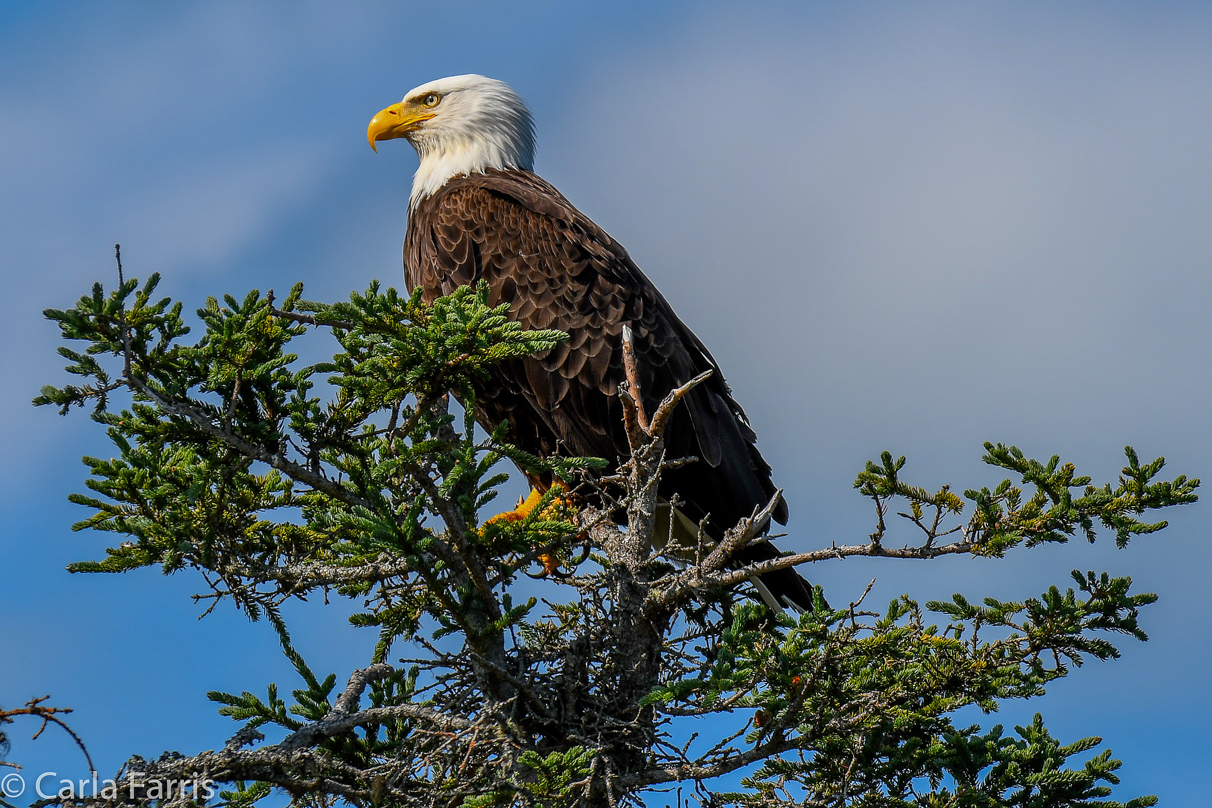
(557, 269)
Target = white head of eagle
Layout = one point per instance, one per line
(459, 125)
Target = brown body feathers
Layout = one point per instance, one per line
(557, 269)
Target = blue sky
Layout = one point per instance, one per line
(903, 227)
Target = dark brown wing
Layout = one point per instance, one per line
(557, 269)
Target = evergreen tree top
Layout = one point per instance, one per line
(559, 659)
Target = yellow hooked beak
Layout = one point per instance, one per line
(395, 121)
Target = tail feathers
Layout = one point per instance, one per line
(782, 589)
(677, 535)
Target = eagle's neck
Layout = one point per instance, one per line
(437, 169)
(502, 148)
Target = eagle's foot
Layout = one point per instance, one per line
(520, 511)
(525, 507)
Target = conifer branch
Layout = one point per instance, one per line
(578, 695)
(292, 469)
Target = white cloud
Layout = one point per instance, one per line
(1000, 198)
(918, 232)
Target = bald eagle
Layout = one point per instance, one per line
(478, 212)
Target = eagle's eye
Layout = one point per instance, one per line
(431, 100)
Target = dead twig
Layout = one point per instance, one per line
(49, 715)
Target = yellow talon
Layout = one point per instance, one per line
(551, 564)
(526, 506)
(520, 511)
